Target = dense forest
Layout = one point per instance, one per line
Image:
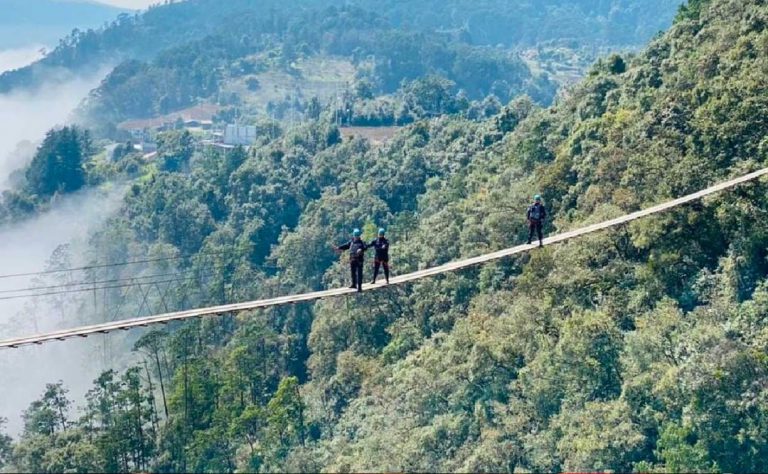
(623, 22)
(490, 22)
(385, 59)
(180, 54)
(638, 349)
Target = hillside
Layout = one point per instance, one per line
(638, 349)
(44, 22)
(370, 53)
(489, 22)
(178, 55)
(521, 24)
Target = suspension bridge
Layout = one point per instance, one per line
(127, 324)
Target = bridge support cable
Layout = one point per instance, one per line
(105, 328)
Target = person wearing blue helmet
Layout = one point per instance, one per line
(536, 215)
(357, 249)
(381, 244)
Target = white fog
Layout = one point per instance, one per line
(27, 246)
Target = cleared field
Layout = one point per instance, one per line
(321, 77)
(376, 135)
(204, 111)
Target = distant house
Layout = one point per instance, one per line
(240, 135)
(194, 124)
(139, 134)
(146, 147)
(215, 144)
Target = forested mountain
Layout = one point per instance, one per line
(641, 348)
(42, 22)
(518, 23)
(490, 22)
(180, 54)
(384, 58)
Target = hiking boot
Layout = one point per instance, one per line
(373, 282)
(353, 287)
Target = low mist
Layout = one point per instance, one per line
(28, 247)
(19, 57)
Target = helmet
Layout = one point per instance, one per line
(382, 231)
(356, 233)
(537, 197)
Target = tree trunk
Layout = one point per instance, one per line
(162, 385)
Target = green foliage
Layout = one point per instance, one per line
(431, 96)
(680, 452)
(174, 150)
(638, 348)
(285, 418)
(116, 432)
(600, 436)
(691, 10)
(386, 58)
(513, 23)
(6, 446)
(58, 164)
(48, 415)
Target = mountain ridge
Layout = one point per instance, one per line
(167, 26)
(26, 22)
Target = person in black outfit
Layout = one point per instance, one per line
(536, 215)
(357, 250)
(381, 244)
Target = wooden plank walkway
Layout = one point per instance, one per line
(105, 328)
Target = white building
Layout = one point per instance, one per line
(240, 135)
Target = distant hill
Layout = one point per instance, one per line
(44, 22)
(514, 23)
(221, 52)
(528, 23)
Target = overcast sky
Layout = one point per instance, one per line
(130, 3)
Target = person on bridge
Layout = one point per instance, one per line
(536, 215)
(381, 244)
(357, 249)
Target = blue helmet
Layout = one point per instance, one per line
(356, 233)
(382, 231)
(537, 197)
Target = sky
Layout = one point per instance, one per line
(135, 4)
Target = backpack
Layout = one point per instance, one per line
(357, 249)
(535, 213)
